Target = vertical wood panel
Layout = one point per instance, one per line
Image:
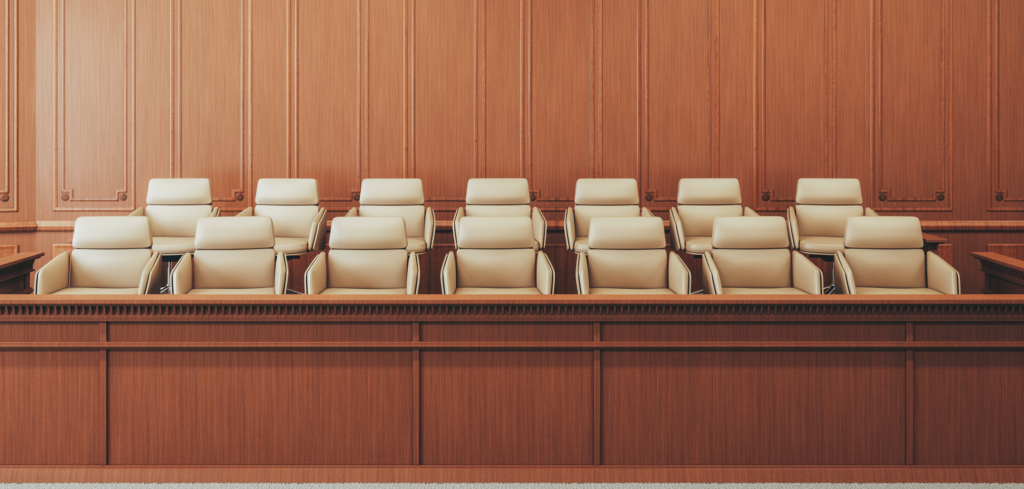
(1007, 105)
(619, 132)
(9, 47)
(503, 89)
(737, 107)
(852, 88)
(387, 117)
(155, 81)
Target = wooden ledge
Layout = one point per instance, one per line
(1000, 259)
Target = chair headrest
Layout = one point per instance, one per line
(234, 233)
(391, 191)
(495, 232)
(709, 191)
(368, 233)
(767, 232)
(179, 191)
(287, 191)
(497, 191)
(606, 191)
(828, 191)
(627, 233)
(112, 232)
(884, 232)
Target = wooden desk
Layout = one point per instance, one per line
(506, 388)
(1003, 274)
(15, 271)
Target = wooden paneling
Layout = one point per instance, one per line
(618, 93)
(505, 55)
(1011, 250)
(8, 250)
(9, 46)
(1007, 105)
(387, 122)
(260, 407)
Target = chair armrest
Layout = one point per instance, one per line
(712, 280)
(215, 212)
(869, 212)
(318, 231)
(181, 275)
(545, 274)
(412, 275)
(679, 279)
(281, 274)
(540, 227)
(844, 275)
(748, 212)
(941, 275)
(247, 212)
(645, 212)
(55, 275)
(429, 227)
(675, 226)
(140, 212)
(315, 278)
(806, 276)
(146, 285)
(448, 274)
(582, 274)
(459, 213)
(794, 230)
(353, 212)
(569, 224)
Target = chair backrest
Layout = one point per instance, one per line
(886, 251)
(497, 197)
(627, 253)
(292, 203)
(701, 200)
(394, 197)
(367, 253)
(495, 252)
(110, 251)
(824, 204)
(234, 253)
(752, 252)
(604, 197)
(175, 205)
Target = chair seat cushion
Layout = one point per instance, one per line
(340, 291)
(698, 244)
(821, 244)
(894, 291)
(290, 245)
(174, 244)
(606, 291)
(416, 245)
(496, 290)
(582, 244)
(96, 290)
(765, 291)
(258, 290)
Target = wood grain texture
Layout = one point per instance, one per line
(9, 46)
(1006, 24)
(8, 250)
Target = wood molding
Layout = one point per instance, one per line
(976, 226)
(9, 177)
(1003, 196)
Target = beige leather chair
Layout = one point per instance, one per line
(112, 255)
(751, 255)
(599, 197)
(496, 256)
(300, 224)
(368, 256)
(627, 256)
(884, 255)
(398, 197)
(234, 255)
(174, 206)
(700, 201)
(818, 221)
(501, 197)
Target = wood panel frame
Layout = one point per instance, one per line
(1000, 199)
(9, 177)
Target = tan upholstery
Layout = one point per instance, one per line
(112, 255)
(884, 255)
(234, 255)
(700, 201)
(751, 255)
(368, 256)
(628, 253)
(495, 256)
(818, 221)
(293, 204)
(174, 207)
(501, 197)
(399, 197)
(598, 197)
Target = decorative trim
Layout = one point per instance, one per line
(9, 177)
(999, 195)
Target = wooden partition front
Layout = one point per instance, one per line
(512, 389)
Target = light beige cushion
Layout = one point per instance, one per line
(497, 191)
(887, 232)
(98, 291)
(496, 290)
(902, 269)
(584, 214)
(115, 269)
(291, 245)
(176, 245)
(367, 269)
(498, 210)
(368, 233)
(699, 220)
(828, 191)
(495, 268)
(495, 233)
(416, 245)
(825, 245)
(293, 221)
(606, 191)
(766, 291)
(582, 244)
(825, 220)
(287, 191)
(176, 220)
(401, 291)
(234, 268)
(412, 214)
(764, 268)
(709, 191)
(698, 245)
(391, 191)
(111, 232)
(607, 291)
(179, 191)
(234, 233)
(252, 291)
(626, 233)
(628, 269)
(766, 232)
(895, 291)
